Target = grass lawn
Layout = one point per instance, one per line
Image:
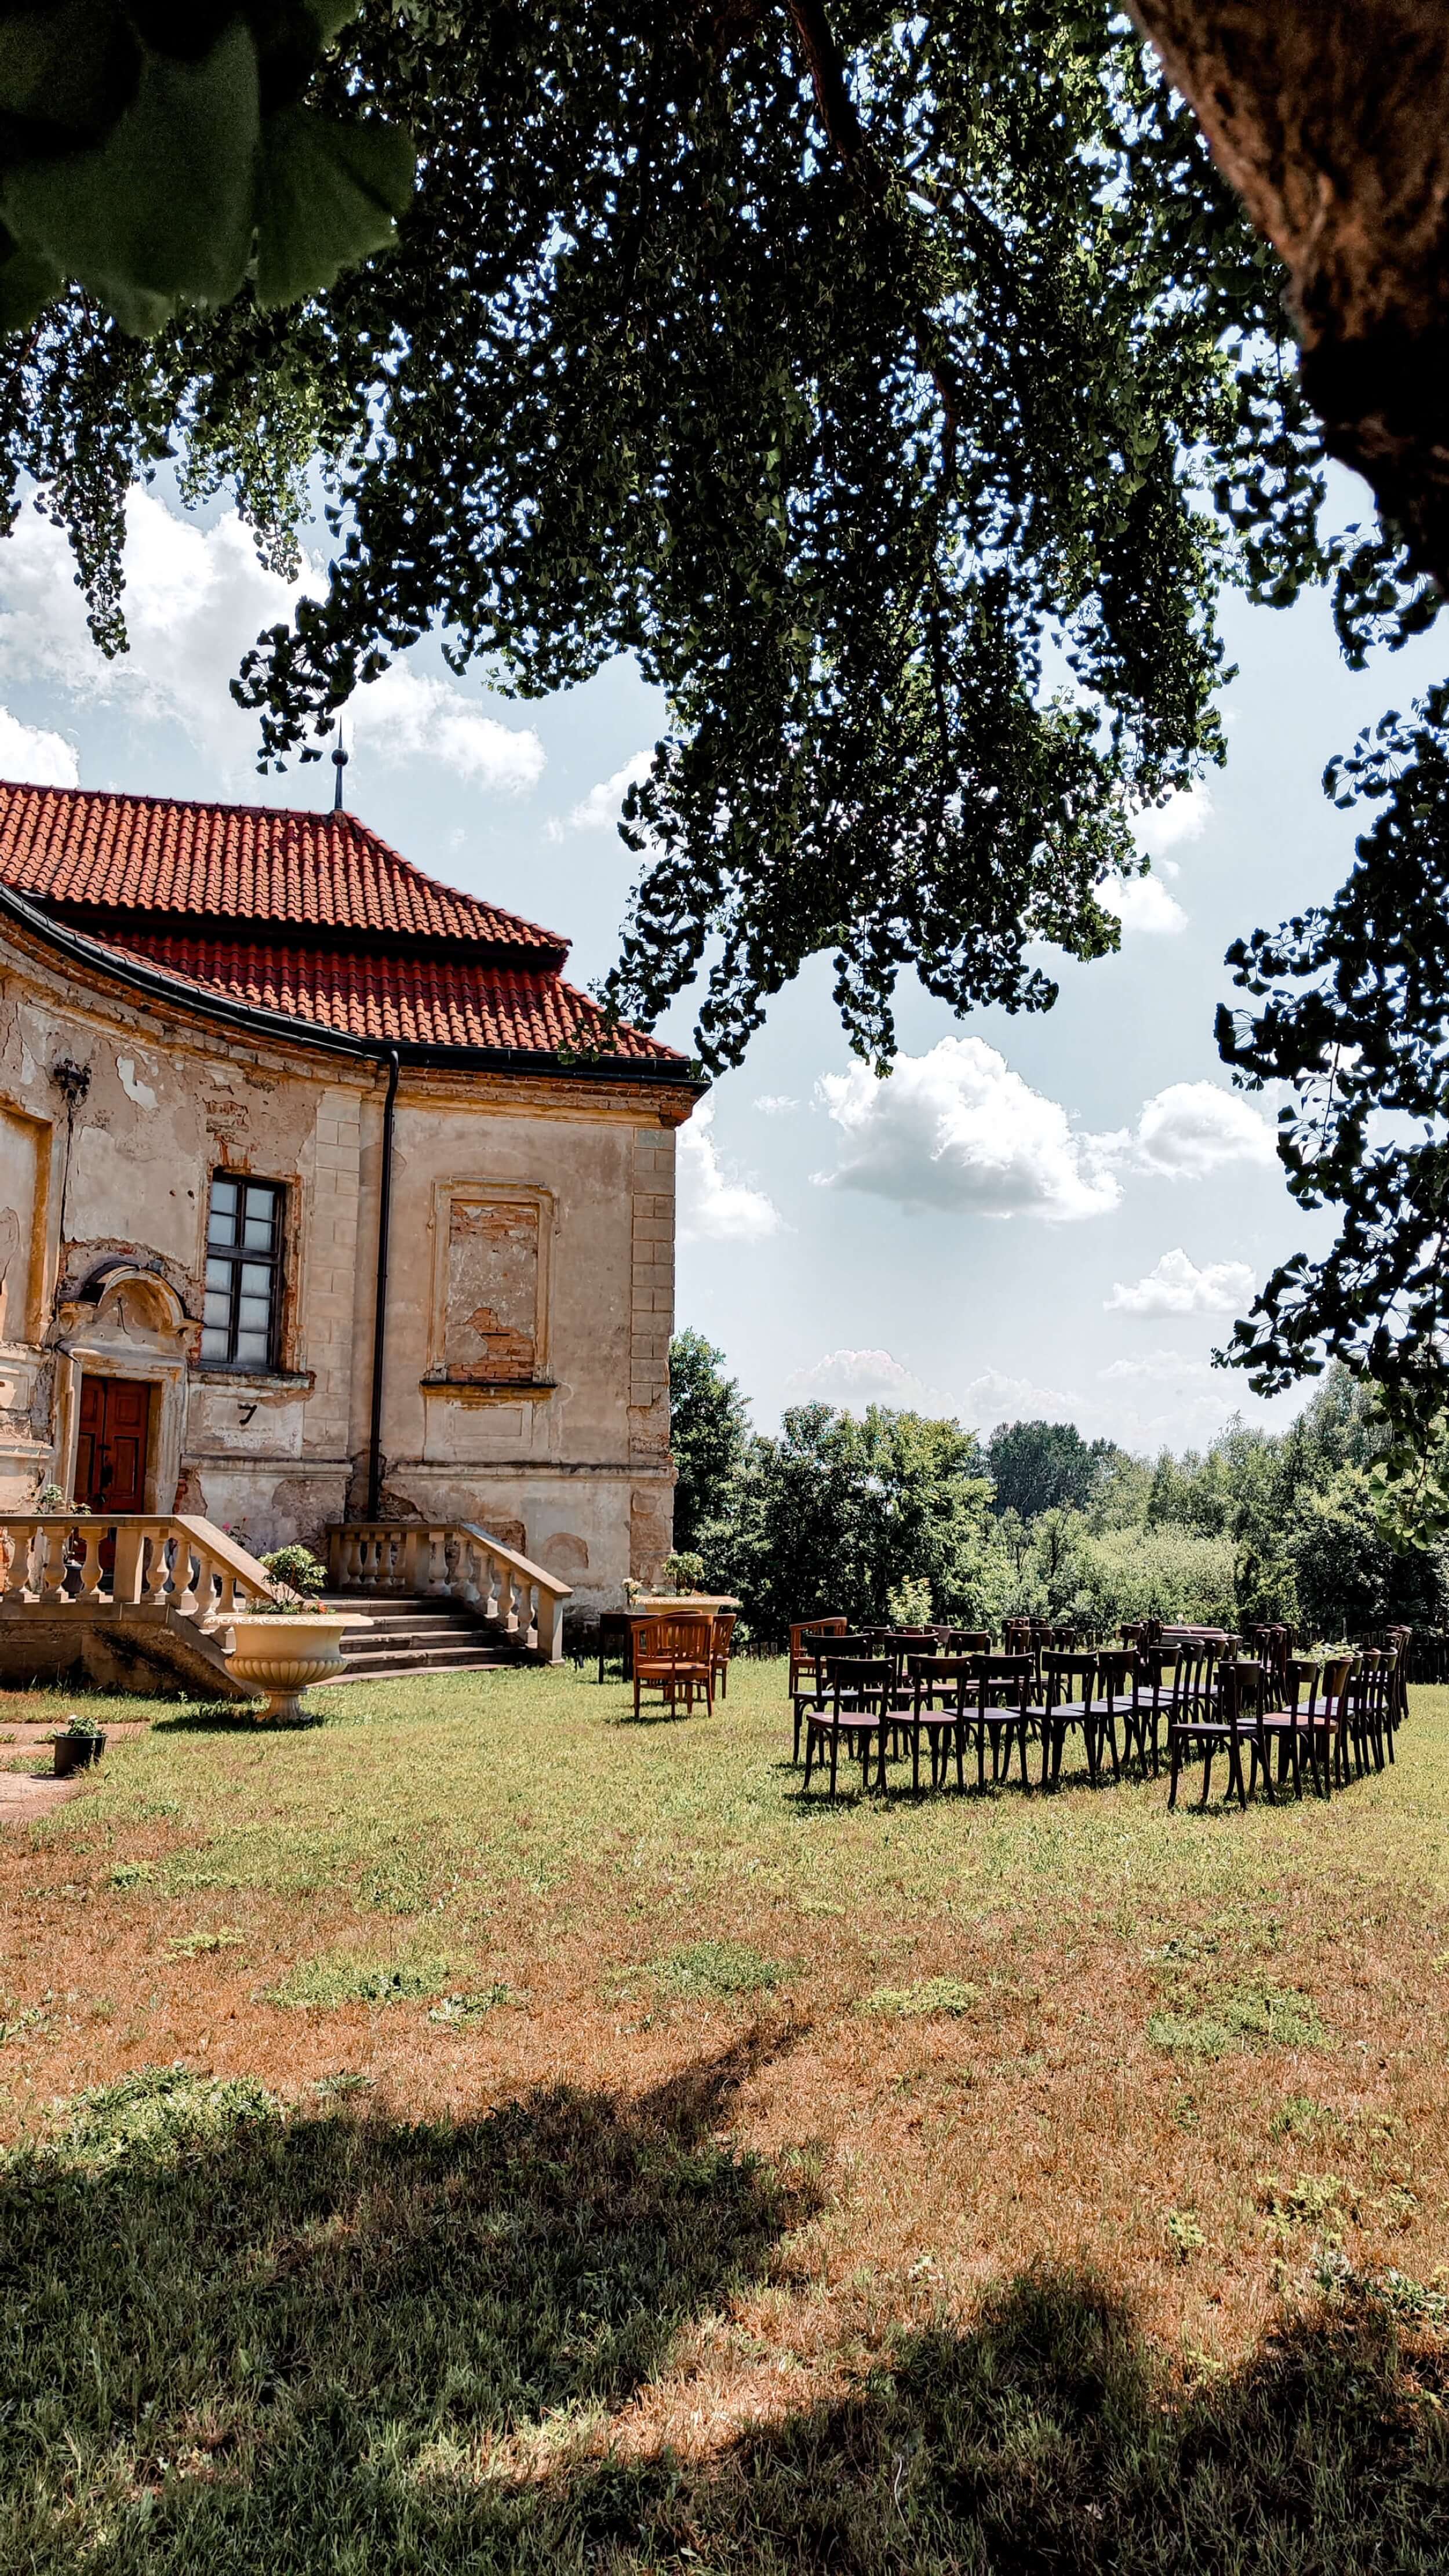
(480, 2132)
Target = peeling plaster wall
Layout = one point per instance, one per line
(530, 1296)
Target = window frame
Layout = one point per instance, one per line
(239, 1256)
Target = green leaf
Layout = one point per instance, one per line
(27, 284)
(330, 15)
(161, 213)
(71, 67)
(329, 194)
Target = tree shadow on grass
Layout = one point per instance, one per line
(239, 2345)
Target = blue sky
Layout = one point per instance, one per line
(1057, 1215)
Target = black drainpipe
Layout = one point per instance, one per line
(379, 1319)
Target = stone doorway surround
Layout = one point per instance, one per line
(126, 1322)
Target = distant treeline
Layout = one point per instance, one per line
(887, 1514)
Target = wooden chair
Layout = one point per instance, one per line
(1304, 1723)
(674, 1653)
(1003, 1689)
(1154, 1696)
(1116, 1697)
(1068, 1683)
(803, 1658)
(858, 1705)
(722, 1633)
(1200, 1724)
(1371, 1698)
(807, 1639)
(941, 1696)
(1339, 1696)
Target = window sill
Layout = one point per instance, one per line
(223, 1374)
(489, 1390)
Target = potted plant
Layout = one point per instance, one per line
(279, 1647)
(80, 1746)
(683, 1573)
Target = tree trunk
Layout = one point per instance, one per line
(1331, 119)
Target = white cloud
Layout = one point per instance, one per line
(715, 1206)
(993, 1397)
(1166, 1368)
(1144, 904)
(409, 715)
(858, 1377)
(602, 803)
(196, 598)
(1176, 1286)
(1185, 817)
(41, 759)
(956, 1128)
(1193, 1128)
(775, 1104)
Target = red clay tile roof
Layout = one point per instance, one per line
(416, 1000)
(87, 851)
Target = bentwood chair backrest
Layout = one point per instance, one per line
(674, 1639)
(1303, 1692)
(1011, 1677)
(1196, 1664)
(1067, 1681)
(941, 1680)
(802, 1633)
(863, 1682)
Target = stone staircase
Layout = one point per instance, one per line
(418, 1636)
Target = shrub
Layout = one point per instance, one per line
(1156, 1573)
(908, 1604)
(297, 1570)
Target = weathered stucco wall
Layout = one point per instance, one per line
(530, 1297)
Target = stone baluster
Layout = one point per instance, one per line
(50, 1569)
(158, 1572)
(90, 1583)
(193, 1600)
(469, 1568)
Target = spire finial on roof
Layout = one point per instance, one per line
(339, 763)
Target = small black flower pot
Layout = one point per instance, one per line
(77, 1753)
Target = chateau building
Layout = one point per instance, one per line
(323, 1196)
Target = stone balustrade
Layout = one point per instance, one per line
(452, 1561)
(60, 1561)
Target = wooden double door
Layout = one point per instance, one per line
(115, 1428)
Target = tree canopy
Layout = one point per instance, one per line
(866, 387)
(898, 387)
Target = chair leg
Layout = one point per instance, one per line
(1207, 1769)
(834, 1755)
(809, 1751)
(1174, 1752)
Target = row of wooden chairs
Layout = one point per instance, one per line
(1211, 1700)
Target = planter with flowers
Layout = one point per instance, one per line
(80, 1746)
(283, 1646)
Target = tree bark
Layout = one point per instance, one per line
(1331, 120)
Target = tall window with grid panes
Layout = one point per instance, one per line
(243, 1274)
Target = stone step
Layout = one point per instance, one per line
(436, 1659)
(419, 1625)
(418, 1635)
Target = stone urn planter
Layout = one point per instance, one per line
(283, 1656)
